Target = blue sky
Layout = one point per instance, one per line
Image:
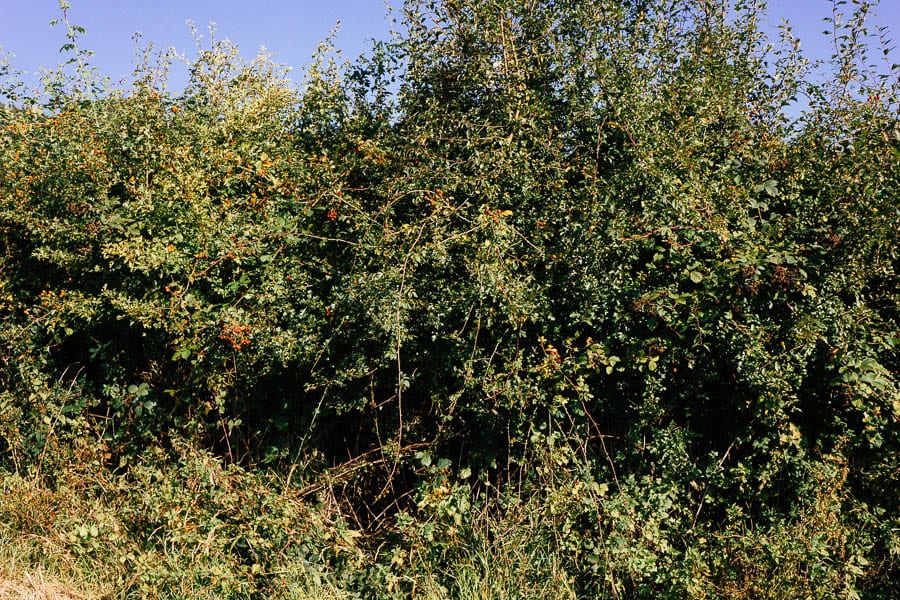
(290, 29)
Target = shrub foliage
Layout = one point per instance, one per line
(551, 286)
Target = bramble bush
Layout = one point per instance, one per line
(536, 298)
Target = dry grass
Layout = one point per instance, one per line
(33, 586)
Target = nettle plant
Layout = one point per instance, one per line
(547, 246)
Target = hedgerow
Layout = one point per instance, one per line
(536, 298)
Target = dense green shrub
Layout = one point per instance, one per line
(561, 267)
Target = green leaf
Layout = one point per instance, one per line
(770, 187)
(424, 458)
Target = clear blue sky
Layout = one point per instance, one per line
(290, 29)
